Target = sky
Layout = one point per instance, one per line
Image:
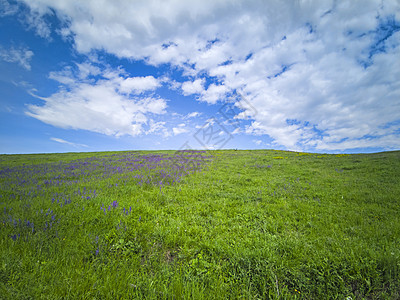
(107, 75)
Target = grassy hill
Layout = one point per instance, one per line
(200, 225)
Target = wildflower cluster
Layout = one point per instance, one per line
(51, 187)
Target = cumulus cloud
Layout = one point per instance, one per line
(21, 56)
(138, 85)
(193, 87)
(96, 99)
(214, 93)
(321, 74)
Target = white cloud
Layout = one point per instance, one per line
(320, 74)
(193, 87)
(36, 23)
(158, 128)
(20, 55)
(96, 104)
(236, 131)
(7, 9)
(87, 69)
(214, 93)
(193, 114)
(180, 129)
(137, 85)
(68, 143)
(172, 84)
(65, 76)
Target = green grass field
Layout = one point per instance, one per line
(200, 225)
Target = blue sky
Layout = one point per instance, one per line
(316, 76)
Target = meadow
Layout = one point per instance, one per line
(246, 224)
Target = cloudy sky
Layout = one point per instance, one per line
(318, 76)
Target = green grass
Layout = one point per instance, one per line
(247, 224)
